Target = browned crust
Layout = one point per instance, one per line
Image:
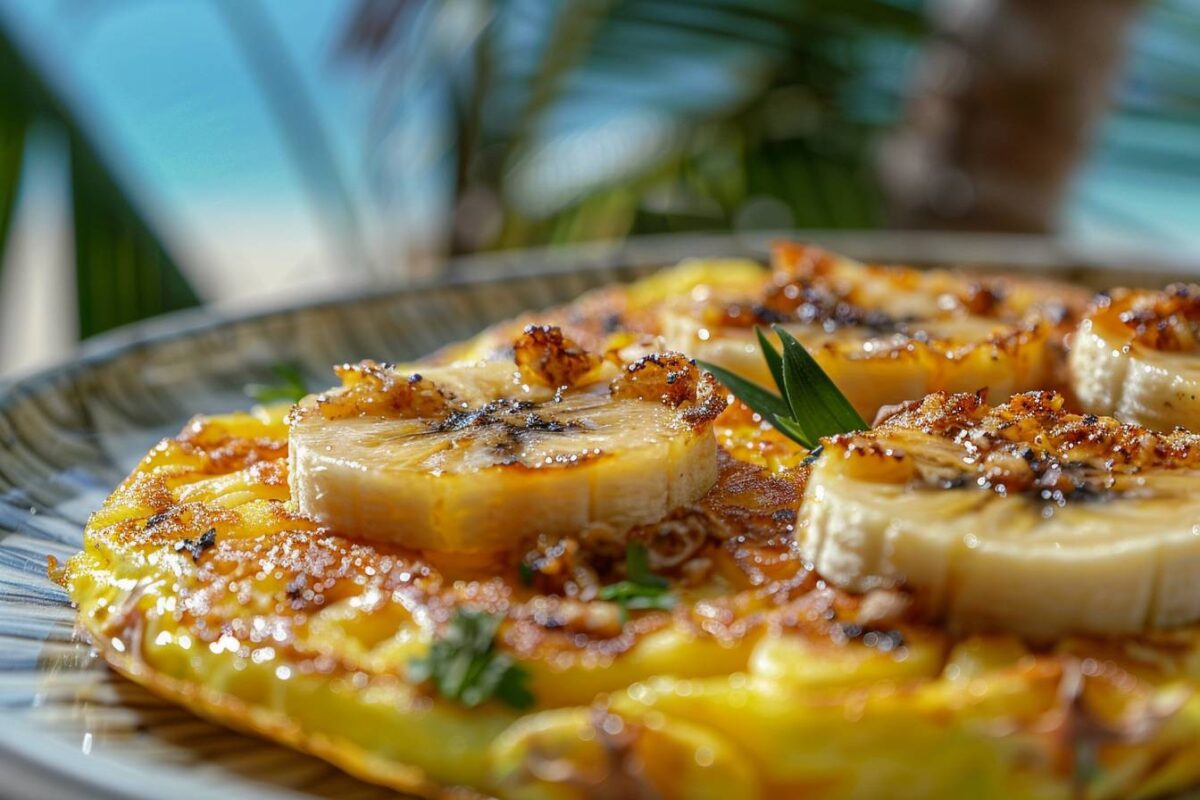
(1167, 320)
(546, 354)
(674, 380)
(1030, 444)
(371, 389)
(1041, 419)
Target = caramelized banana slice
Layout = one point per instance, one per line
(1136, 356)
(1020, 517)
(474, 459)
(883, 334)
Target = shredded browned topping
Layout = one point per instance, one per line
(675, 380)
(670, 378)
(801, 259)
(842, 309)
(544, 353)
(1030, 444)
(377, 390)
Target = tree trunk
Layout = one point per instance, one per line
(1006, 95)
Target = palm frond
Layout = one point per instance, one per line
(301, 128)
(12, 146)
(663, 115)
(123, 271)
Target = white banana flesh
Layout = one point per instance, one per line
(1021, 518)
(508, 457)
(1136, 356)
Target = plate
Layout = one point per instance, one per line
(70, 727)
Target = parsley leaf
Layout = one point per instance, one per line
(637, 567)
(642, 589)
(464, 665)
(291, 386)
(809, 405)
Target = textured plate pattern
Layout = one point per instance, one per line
(69, 436)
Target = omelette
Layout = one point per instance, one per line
(561, 560)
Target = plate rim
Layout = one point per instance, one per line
(972, 251)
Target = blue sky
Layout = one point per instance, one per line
(172, 102)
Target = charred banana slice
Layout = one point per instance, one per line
(1021, 517)
(1136, 356)
(476, 458)
(883, 334)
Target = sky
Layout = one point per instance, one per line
(179, 112)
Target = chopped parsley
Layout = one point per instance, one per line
(642, 589)
(526, 572)
(464, 665)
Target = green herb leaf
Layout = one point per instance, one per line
(760, 400)
(464, 666)
(291, 387)
(637, 567)
(526, 572)
(771, 356)
(809, 405)
(642, 589)
(816, 403)
(630, 596)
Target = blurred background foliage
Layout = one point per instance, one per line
(123, 272)
(476, 125)
(582, 120)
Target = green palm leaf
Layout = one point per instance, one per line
(14, 122)
(645, 116)
(12, 145)
(123, 271)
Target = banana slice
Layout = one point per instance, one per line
(476, 458)
(883, 334)
(1020, 517)
(1136, 356)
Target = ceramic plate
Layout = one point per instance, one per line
(68, 726)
